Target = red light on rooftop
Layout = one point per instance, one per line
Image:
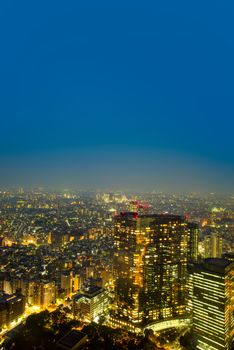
(135, 215)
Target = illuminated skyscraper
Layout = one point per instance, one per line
(150, 268)
(67, 282)
(40, 293)
(70, 282)
(193, 232)
(213, 245)
(213, 304)
(48, 294)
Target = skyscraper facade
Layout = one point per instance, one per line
(150, 267)
(213, 304)
(213, 245)
(193, 234)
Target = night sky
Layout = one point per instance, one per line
(122, 94)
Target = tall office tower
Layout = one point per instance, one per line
(213, 304)
(48, 293)
(67, 282)
(193, 233)
(51, 238)
(213, 245)
(20, 190)
(150, 268)
(39, 293)
(70, 282)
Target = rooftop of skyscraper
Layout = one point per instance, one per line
(218, 265)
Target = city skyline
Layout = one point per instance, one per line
(116, 181)
(130, 268)
(130, 171)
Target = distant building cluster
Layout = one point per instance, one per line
(134, 262)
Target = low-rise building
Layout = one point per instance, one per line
(74, 340)
(12, 306)
(91, 304)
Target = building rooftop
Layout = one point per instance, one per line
(71, 340)
(217, 265)
(4, 298)
(217, 262)
(159, 217)
(89, 293)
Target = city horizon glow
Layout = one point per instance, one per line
(124, 95)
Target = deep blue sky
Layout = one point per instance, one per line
(117, 93)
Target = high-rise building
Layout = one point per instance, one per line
(67, 282)
(48, 294)
(193, 233)
(213, 245)
(213, 304)
(39, 293)
(70, 282)
(32, 291)
(150, 268)
(51, 238)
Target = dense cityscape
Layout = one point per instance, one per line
(114, 270)
(117, 169)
